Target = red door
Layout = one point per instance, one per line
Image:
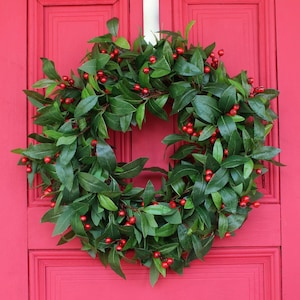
(260, 262)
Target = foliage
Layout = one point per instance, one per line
(210, 186)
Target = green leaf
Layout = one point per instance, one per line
(91, 184)
(184, 68)
(51, 215)
(114, 262)
(265, 152)
(228, 99)
(49, 69)
(235, 143)
(66, 238)
(122, 43)
(248, 168)
(149, 193)
(180, 171)
(68, 152)
(140, 115)
(154, 275)
(206, 132)
(206, 108)
(226, 126)
(182, 101)
(113, 26)
(218, 181)
(259, 108)
(174, 218)
(89, 67)
(230, 200)
(106, 202)
(188, 28)
(66, 140)
(234, 161)
(120, 107)
(235, 221)
(222, 225)
(85, 105)
(183, 151)
(159, 210)
(218, 151)
(217, 199)
(160, 269)
(39, 151)
(105, 156)
(215, 88)
(35, 98)
(166, 230)
(197, 246)
(172, 139)
(65, 173)
(64, 221)
(133, 168)
(156, 110)
(185, 240)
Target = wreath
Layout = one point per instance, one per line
(210, 185)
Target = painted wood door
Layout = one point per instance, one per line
(260, 262)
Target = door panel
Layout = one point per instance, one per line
(255, 264)
(246, 32)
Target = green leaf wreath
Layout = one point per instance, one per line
(210, 186)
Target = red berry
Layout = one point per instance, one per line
(170, 261)
(250, 80)
(212, 140)
(236, 106)
(208, 172)
(165, 265)
(24, 160)
(179, 50)
(122, 242)
(221, 52)
(100, 73)
(175, 55)
(103, 79)
(245, 199)
(232, 112)
(156, 254)
(62, 86)
(83, 218)
(127, 224)
(206, 69)
(190, 130)
(69, 100)
(184, 128)
(182, 202)
(47, 159)
(259, 171)
(112, 55)
(65, 78)
(121, 213)
(52, 204)
(145, 91)
(256, 204)
(172, 204)
(146, 70)
(208, 178)
(87, 226)
(119, 248)
(227, 234)
(71, 81)
(86, 76)
(225, 152)
(103, 51)
(212, 54)
(243, 204)
(132, 220)
(152, 59)
(136, 87)
(116, 51)
(108, 240)
(94, 143)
